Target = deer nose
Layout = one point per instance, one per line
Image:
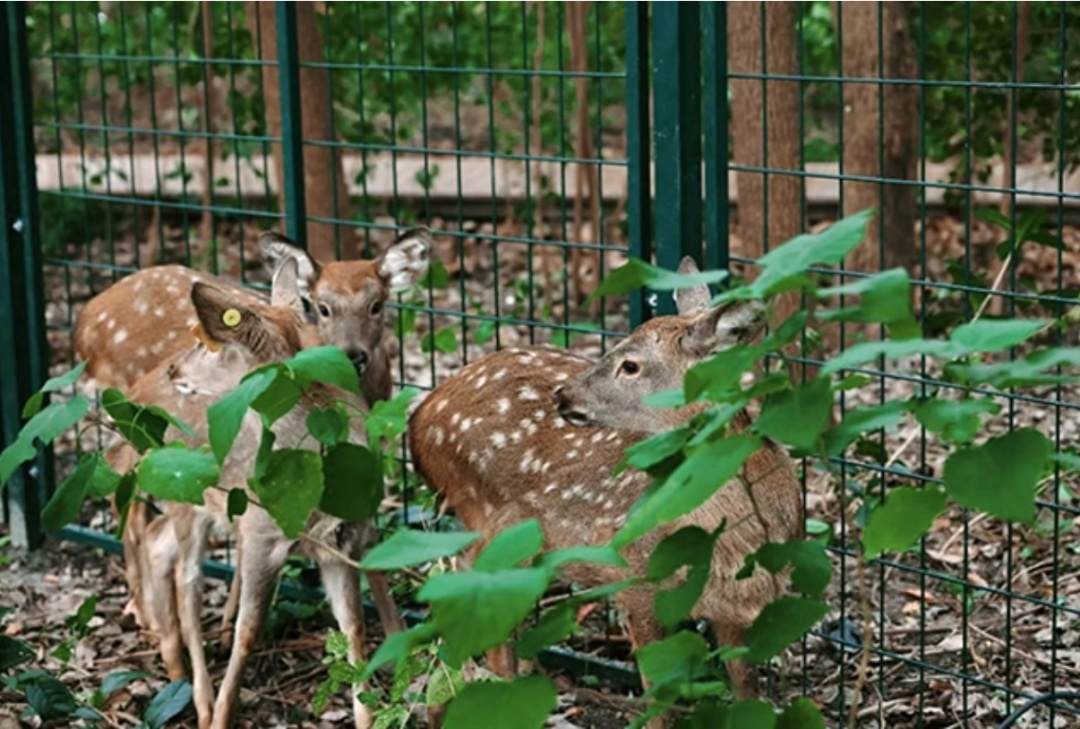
(359, 358)
(566, 409)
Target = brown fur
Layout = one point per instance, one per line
(490, 441)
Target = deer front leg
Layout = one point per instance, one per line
(192, 530)
(157, 569)
(342, 585)
(384, 603)
(232, 602)
(263, 556)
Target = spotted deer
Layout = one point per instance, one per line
(238, 336)
(537, 433)
(144, 319)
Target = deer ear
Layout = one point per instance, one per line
(694, 298)
(405, 262)
(275, 248)
(723, 327)
(285, 286)
(222, 319)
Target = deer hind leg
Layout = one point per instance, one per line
(191, 535)
(342, 585)
(743, 675)
(384, 603)
(232, 603)
(158, 563)
(263, 556)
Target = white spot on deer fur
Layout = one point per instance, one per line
(120, 336)
(191, 321)
(572, 454)
(159, 312)
(550, 487)
(597, 436)
(539, 415)
(570, 436)
(589, 454)
(498, 440)
(172, 291)
(440, 405)
(142, 306)
(503, 405)
(526, 461)
(436, 434)
(466, 424)
(530, 427)
(486, 457)
(515, 436)
(527, 393)
(488, 508)
(140, 352)
(560, 423)
(111, 324)
(481, 382)
(499, 375)
(102, 317)
(157, 348)
(573, 492)
(170, 336)
(609, 505)
(612, 436)
(561, 377)
(455, 418)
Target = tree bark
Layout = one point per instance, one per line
(324, 179)
(877, 147)
(769, 206)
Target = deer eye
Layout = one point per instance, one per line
(629, 367)
(324, 311)
(376, 308)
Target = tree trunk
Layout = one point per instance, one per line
(324, 180)
(873, 147)
(769, 206)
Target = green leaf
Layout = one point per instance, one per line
(744, 714)
(167, 704)
(884, 298)
(692, 546)
(237, 503)
(902, 520)
(708, 468)
(797, 417)
(1001, 476)
(352, 483)
(324, 364)
(992, 335)
(863, 420)
(328, 426)
(801, 714)
(864, 352)
(13, 653)
(443, 684)
(523, 703)
(44, 427)
(119, 679)
(647, 453)
(593, 554)
(511, 547)
(956, 420)
(475, 611)
(389, 418)
(781, 623)
(718, 378)
(397, 646)
(485, 330)
(635, 274)
(784, 267)
(225, 417)
(673, 661)
(437, 276)
(1030, 371)
(177, 473)
(812, 569)
(411, 547)
(444, 340)
(291, 488)
(143, 426)
(66, 502)
(50, 698)
(104, 481)
(54, 384)
(553, 627)
(279, 397)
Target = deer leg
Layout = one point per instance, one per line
(743, 676)
(262, 561)
(342, 586)
(232, 602)
(501, 659)
(384, 603)
(132, 540)
(643, 628)
(158, 564)
(191, 535)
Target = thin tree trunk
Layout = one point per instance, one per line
(206, 227)
(766, 218)
(324, 179)
(876, 147)
(584, 174)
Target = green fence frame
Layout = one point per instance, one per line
(674, 80)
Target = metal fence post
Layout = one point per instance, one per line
(23, 360)
(292, 127)
(677, 135)
(717, 249)
(638, 152)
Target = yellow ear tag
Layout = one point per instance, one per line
(230, 318)
(201, 335)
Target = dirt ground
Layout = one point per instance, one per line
(996, 604)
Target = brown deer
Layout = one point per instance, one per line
(536, 433)
(172, 548)
(144, 319)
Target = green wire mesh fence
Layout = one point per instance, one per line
(543, 142)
